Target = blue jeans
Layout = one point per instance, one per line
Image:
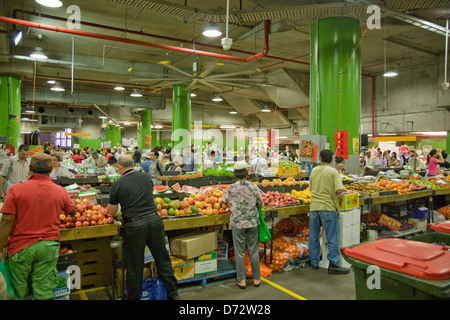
(329, 220)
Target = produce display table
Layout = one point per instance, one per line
(70, 234)
(194, 222)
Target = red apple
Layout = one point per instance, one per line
(85, 223)
(78, 224)
(94, 217)
(62, 217)
(93, 223)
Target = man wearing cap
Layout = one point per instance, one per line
(96, 160)
(142, 227)
(244, 198)
(145, 165)
(30, 229)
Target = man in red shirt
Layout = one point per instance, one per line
(30, 229)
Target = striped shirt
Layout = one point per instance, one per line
(14, 172)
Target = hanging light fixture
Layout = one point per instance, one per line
(50, 3)
(390, 72)
(217, 98)
(38, 53)
(119, 88)
(233, 111)
(57, 87)
(212, 30)
(193, 94)
(266, 109)
(136, 93)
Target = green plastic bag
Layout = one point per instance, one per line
(264, 232)
(7, 291)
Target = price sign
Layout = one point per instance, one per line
(341, 143)
(391, 223)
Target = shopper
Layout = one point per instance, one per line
(15, 169)
(260, 163)
(77, 157)
(209, 162)
(433, 159)
(404, 158)
(142, 227)
(48, 148)
(145, 165)
(381, 160)
(59, 170)
(393, 161)
(156, 167)
(176, 165)
(96, 160)
(445, 165)
(325, 184)
(189, 162)
(119, 153)
(340, 163)
(137, 155)
(30, 229)
(370, 160)
(244, 199)
(413, 161)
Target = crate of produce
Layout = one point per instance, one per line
(409, 270)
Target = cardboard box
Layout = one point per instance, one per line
(148, 257)
(222, 250)
(183, 269)
(206, 263)
(348, 201)
(193, 244)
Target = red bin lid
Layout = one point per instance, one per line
(442, 227)
(420, 259)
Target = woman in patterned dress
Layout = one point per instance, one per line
(244, 198)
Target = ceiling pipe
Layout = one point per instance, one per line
(140, 33)
(140, 43)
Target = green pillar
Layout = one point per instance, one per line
(146, 130)
(113, 134)
(333, 41)
(181, 117)
(447, 144)
(10, 108)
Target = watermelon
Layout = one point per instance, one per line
(176, 187)
(189, 189)
(160, 189)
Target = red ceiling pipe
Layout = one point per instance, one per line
(94, 25)
(118, 39)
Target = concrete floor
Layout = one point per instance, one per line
(304, 283)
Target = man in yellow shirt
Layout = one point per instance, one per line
(325, 184)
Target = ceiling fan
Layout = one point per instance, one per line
(203, 76)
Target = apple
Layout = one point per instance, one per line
(62, 217)
(93, 222)
(69, 219)
(191, 201)
(85, 223)
(69, 251)
(215, 211)
(78, 224)
(209, 212)
(158, 207)
(199, 204)
(94, 217)
(163, 213)
(212, 200)
(62, 225)
(89, 206)
(216, 205)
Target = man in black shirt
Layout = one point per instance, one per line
(137, 155)
(142, 226)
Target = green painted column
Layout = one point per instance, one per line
(113, 134)
(181, 117)
(10, 104)
(447, 144)
(146, 130)
(335, 98)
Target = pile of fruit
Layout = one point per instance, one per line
(279, 260)
(88, 214)
(401, 187)
(366, 189)
(285, 225)
(181, 177)
(287, 246)
(209, 202)
(278, 199)
(281, 183)
(304, 195)
(288, 164)
(445, 211)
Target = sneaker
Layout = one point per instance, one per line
(314, 267)
(333, 269)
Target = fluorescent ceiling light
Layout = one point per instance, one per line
(156, 126)
(17, 38)
(233, 112)
(431, 133)
(28, 119)
(50, 3)
(135, 93)
(227, 127)
(281, 137)
(38, 53)
(119, 88)
(217, 98)
(390, 72)
(51, 81)
(212, 30)
(103, 117)
(266, 109)
(193, 94)
(30, 111)
(57, 87)
(25, 132)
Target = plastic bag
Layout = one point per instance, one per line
(264, 232)
(6, 290)
(153, 289)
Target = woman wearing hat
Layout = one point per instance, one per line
(176, 165)
(145, 165)
(244, 198)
